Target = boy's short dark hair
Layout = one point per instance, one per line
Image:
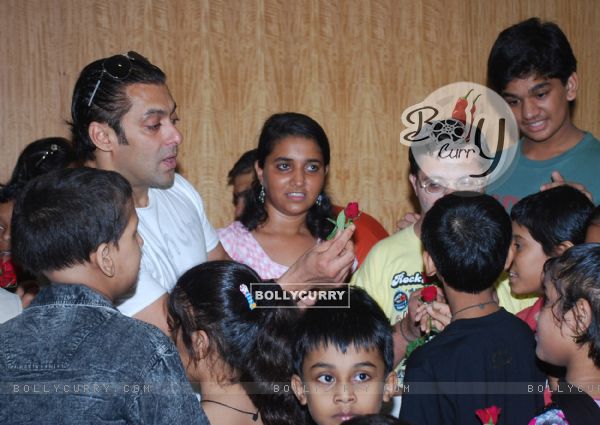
(60, 219)
(363, 325)
(467, 235)
(554, 216)
(530, 48)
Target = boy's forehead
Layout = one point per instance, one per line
(332, 355)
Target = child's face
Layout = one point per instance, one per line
(554, 337)
(540, 105)
(525, 272)
(593, 234)
(338, 386)
(127, 256)
(6, 210)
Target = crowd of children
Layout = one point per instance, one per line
(230, 346)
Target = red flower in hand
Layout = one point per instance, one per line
(489, 415)
(352, 210)
(429, 294)
(8, 277)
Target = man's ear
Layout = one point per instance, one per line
(430, 268)
(259, 172)
(102, 257)
(562, 247)
(298, 389)
(101, 135)
(571, 86)
(389, 388)
(413, 182)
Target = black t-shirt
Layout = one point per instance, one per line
(474, 364)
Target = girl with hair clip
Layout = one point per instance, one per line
(568, 335)
(237, 353)
(286, 210)
(39, 157)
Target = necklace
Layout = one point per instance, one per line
(480, 305)
(254, 415)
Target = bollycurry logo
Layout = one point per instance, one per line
(462, 126)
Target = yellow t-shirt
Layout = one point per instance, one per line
(392, 270)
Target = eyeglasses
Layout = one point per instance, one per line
(438, 185)
(117, 67)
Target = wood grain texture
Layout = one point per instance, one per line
(353, 65)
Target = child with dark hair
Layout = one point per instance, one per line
(79, 228)
(485, 356)
(240, 178)
(38, 157)
(235, 352)
(569, 334)
(544, 225)
(344, 360)
(532, 66)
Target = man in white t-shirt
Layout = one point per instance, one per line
(123, 118)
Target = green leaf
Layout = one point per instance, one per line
(341, 220)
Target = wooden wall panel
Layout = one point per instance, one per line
(353, 65)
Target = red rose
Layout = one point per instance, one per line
(429, 294)
(8, 277)
(489, 415)
(352, 210)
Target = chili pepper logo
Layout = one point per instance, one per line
(460, 112)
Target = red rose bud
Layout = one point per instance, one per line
(429, 294)
(489, 415)
(352, 210)
(8, 277)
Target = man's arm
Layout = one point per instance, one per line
(156, 314)
(218, 253)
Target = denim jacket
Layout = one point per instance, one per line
(71, 357)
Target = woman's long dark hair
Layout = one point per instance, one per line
(255, 344)
(276, 128)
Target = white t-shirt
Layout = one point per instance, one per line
(177, 237)
(10, 305)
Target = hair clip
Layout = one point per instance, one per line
(244, 290)
(53, 148)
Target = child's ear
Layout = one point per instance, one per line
(389, 388)
(510, 257)
(571, 86)
(200, 342)
(562, 247)
(102, 257)
(101, 135)
(583, 315)
(298, 389)
(430, 268)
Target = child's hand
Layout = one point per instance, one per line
(409, 219)
(439, 313)
(558, 180)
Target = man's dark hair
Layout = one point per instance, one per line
(100, 97)
(554, 216)
(60, 219)
(245, 164)
(364, 325)
(467, 235)
(530, 48)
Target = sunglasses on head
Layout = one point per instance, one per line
(117, 67)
